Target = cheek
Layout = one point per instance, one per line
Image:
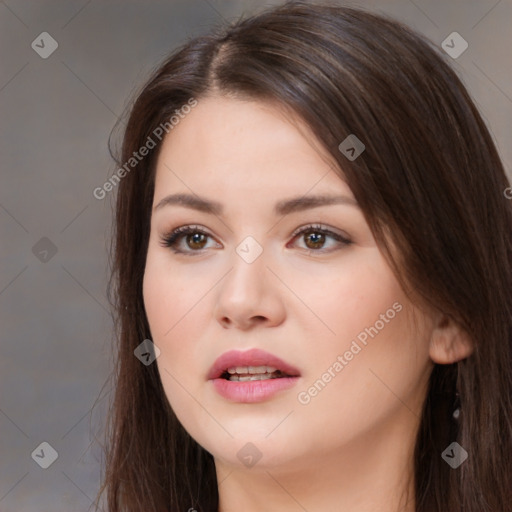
(176, 304)
(373, 381)
(169, 295)
(349, 297)
(173, 308)
(384, 360)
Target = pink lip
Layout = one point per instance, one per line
(253, 357)
(251, 391)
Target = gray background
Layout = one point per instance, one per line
(56, 115)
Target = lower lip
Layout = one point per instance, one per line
(253, 390)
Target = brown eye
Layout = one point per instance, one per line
(195, 239)
(316, 239)
(316, 236)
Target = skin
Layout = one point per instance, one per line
(350, 447)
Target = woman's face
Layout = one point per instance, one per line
(245, 286)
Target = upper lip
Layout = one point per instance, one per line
(252, 357)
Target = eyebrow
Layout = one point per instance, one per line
(285, 207)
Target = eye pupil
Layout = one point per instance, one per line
(318, 238)
(194, 237)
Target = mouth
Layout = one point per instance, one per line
(250, 365)
(251, 376)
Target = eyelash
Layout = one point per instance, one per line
(170, 240)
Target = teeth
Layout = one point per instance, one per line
(244, 370)
(247, 377)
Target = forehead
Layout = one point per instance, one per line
(246, 143)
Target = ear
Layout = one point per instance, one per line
(449, 343)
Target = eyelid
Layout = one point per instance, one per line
(322, 228)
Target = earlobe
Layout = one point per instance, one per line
(449, 342)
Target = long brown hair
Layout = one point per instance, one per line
(431, 186)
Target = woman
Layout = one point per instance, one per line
(313, 274)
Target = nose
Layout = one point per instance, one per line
(250, 295)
